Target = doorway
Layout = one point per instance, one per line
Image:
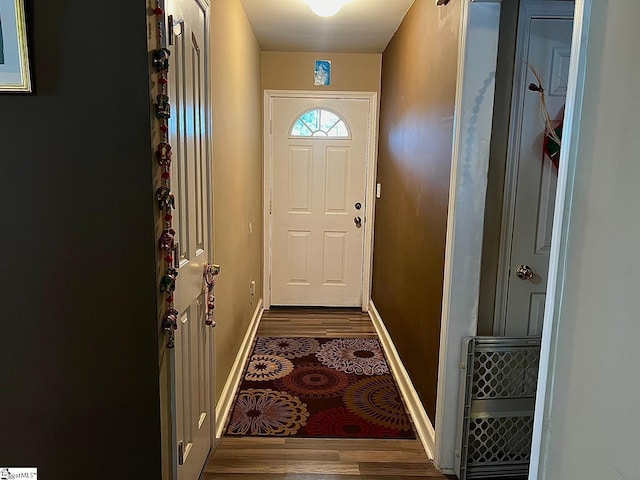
(319, 173)
(462, 264)
(455, 360)
(543, 50)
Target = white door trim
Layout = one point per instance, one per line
(529, 10)
(210, 198)
(371, 163)
(480, 22)
(559, 241)
(456, 327)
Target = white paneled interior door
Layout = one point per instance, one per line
(319, 176)
(547, 49)
(191, 180)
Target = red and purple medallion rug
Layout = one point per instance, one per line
(319, 388)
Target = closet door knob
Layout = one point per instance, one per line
(524, 272)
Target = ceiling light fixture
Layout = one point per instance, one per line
(325, 8)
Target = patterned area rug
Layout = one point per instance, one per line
(320, 388)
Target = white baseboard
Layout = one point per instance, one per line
(223, 407)
(421, 420)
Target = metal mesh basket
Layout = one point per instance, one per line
(497, 398)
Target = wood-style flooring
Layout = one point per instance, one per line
(318, 459)
(316, 322)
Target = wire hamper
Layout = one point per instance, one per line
(497, 399)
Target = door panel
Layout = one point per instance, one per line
(536, 313)
(335, 258)
(191, 180)
(337, 181)
(544, 223)
(535, 183)
(300, 179)
(316, 246)
(299, 250)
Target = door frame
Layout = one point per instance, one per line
(371, 165)
(210, 199)
(559, 245)
(473, 114)
(463, 256)
(529, 10)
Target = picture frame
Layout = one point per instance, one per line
(15, 75)
(322, 73)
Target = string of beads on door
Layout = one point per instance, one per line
(166, 199)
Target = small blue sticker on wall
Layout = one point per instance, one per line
(322, 73)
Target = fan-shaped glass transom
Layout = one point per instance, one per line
(320, 122)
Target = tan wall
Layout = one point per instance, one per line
(294, 71)
(416, 128)
(237, 165)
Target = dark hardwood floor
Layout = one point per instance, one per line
(316, 322)
(318, 459)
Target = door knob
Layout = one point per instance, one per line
(524, 272)
(358, 222)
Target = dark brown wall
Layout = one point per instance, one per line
(419, 70)
(79, 361)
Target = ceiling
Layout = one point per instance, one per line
(362, 26)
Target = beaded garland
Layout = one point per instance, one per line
(163, 195)
(210, 274)
(166, 199)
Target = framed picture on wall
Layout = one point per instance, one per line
(322, 73)
(14, 55)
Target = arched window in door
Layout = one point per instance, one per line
(321, 123)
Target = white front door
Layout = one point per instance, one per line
(547, 49)
(319, 175)
(191, 180)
